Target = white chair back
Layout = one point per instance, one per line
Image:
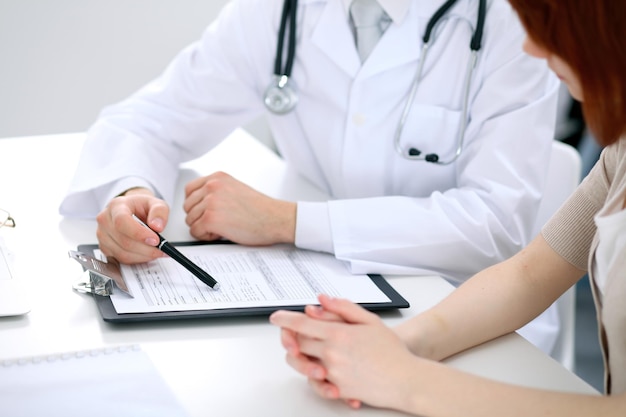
(563, 177)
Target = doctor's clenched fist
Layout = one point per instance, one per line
(219, 206)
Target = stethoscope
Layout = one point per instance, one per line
(280, 96)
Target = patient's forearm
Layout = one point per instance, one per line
(440, 391)
(494, 302)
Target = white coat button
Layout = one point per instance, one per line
(358, 119)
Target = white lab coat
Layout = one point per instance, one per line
(388, 214)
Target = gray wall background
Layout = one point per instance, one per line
(61, 61)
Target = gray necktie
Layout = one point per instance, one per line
(367, 17)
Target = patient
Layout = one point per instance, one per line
(348, 353)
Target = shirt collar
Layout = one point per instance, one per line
(395, 9)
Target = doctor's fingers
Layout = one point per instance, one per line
(208, 198)
(241, 214)
(198, 188)
(123, 238)
(197, 183)
(126, 250)
(151, 210)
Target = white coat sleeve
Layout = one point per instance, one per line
(208, 90)
(500, 176)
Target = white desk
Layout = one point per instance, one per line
(221, 367)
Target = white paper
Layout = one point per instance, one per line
(116, 381)
(249, 277)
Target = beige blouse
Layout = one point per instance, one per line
(572, 233)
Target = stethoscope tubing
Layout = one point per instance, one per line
(411, 98)
(475, 45)
(281, 98)
(288, 15)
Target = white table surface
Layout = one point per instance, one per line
(221, 367)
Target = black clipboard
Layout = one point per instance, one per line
(109, 314)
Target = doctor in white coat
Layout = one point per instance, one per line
(389, 214)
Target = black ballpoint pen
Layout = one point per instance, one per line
(166, 247)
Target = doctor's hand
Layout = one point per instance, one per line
(358, 359)
(219, 206)
(122, 237)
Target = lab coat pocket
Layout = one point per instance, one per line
(431, 129)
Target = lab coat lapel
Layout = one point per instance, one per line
(399, 45)
(402, 41)
(333, 37)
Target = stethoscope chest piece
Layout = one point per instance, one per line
(280, 96)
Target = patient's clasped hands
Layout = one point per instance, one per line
(348, 353)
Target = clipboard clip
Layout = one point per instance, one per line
(101, 275)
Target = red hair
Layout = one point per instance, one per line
(590, 36)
